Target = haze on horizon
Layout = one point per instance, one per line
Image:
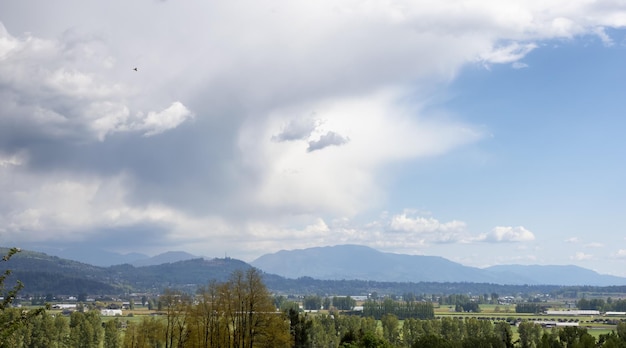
(485, 132)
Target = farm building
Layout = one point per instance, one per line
(110, 312)
(552, 323)
(574, 312)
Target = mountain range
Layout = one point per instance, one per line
(103, 258)
(343, 269)
(364, 263)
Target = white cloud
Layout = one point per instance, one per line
(419, 225)
(243, 70)
(594, 245)
(299, 128)
(508, 234)
(13, 159)
(67, 97)
(327, 139)
(572, 240)
(580, 256)
(507, 54)
(342, 181)
(620, 254)
(159, 122)
(519, 65)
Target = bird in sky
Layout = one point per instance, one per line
(135, 69)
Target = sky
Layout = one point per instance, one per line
(484, 131)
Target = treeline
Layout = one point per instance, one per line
(298, 330)
(618, 305)
(236, 313)
(402, 310)
(529, 307)
(471, 333)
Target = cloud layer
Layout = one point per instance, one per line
(260, 121)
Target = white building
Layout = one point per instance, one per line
(574, 312)
(110, 312)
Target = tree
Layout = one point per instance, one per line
(433, 341)
(312, 302)
(502, 330)
(323, 332)
(240, 313)
(254, 319)
(11, 319)
(85, 329)
(391, 328)
(529, 334)
(176, 305)
(571, 336)
(326, 303)
(299, 327)
(112, 337)
(344, 303)
(148, 333)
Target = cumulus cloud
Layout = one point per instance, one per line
(77, 122)
(325, 140)
(572, 240)
(159, 122)
(297, 129)
(418, 224)
(509, 234)
(62, 98)
(305, 128)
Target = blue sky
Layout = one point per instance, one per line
(486, 132)
(552, 160)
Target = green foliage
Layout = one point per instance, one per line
(529, 334)
(528, 308)
(469, 306)
(402, 310)
(85, 329)
(391, 328)
(344, 303)
(312, 302)
(299, 328)
(112, 336)
(148, 333)
(593, 304)
(11, 318)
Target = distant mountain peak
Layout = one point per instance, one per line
(357, 262)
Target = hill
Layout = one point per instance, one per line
(563, 275)
(45, 274)
(167, 257)
(364, 263)
(42, 273)
(90, 255)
